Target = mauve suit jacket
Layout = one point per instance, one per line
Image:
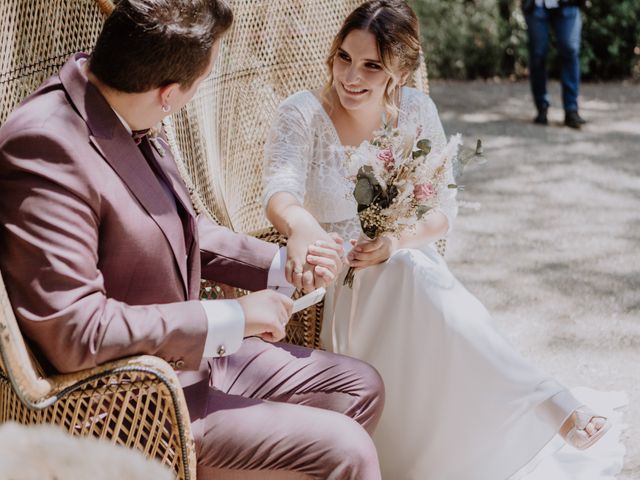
(92, 249)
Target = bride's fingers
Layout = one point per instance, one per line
(359, 263)
(329, 253)
(326, 274)
(369, 246)
(288, 271)
(322, 261)
(335, 246)
(336, 238)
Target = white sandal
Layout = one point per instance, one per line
(578, 436)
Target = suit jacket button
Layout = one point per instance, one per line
(180, 364)
(221, 351)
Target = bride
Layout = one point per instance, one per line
(461, 403)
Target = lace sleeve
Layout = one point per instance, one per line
(286, 154)
(434, 131)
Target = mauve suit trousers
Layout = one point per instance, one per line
(284, 411)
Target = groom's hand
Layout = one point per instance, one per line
(266, 314)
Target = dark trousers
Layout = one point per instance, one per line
(567, 24)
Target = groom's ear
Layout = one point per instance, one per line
(166, 92)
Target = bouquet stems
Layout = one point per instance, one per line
(351, 273)
(348, 280)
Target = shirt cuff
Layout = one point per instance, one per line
(225, 322)
(276, 279)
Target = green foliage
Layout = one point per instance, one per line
(611, 46)
(466, 39)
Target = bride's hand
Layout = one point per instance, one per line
(313, 258)
(327, 257)
(371, 252)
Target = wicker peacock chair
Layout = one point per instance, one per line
(274, 49)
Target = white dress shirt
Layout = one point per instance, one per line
(225, 318)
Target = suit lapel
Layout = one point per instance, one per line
(168, 165)
(115, 145)
(132, 168)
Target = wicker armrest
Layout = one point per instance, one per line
(136, 402)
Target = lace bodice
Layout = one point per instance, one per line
(304, 156)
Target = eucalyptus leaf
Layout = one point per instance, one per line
(366, 171)
(363, 192)
(466, 155)
(421, 211)
(424, 145)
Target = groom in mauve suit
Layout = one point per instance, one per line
(103, 255)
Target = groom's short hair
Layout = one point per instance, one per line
(146, 44)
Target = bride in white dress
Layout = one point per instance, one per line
(461, 403)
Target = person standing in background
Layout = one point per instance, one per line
(564, 17)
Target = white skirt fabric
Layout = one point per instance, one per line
(461, 403)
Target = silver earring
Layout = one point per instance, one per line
(166, 108)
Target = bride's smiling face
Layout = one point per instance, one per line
(359, 78)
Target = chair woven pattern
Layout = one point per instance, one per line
(37, 38)
(131, 408)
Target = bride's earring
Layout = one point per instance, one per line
(166, 108)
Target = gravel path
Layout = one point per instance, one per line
(554, 251)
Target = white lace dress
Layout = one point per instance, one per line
(461, 403)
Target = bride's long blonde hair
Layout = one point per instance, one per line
(395, 27)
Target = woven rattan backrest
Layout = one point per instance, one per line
(37, 37)
(274, 49)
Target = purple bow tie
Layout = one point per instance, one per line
(138, 135)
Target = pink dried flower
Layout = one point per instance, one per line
(424, 191)
(386, 157)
